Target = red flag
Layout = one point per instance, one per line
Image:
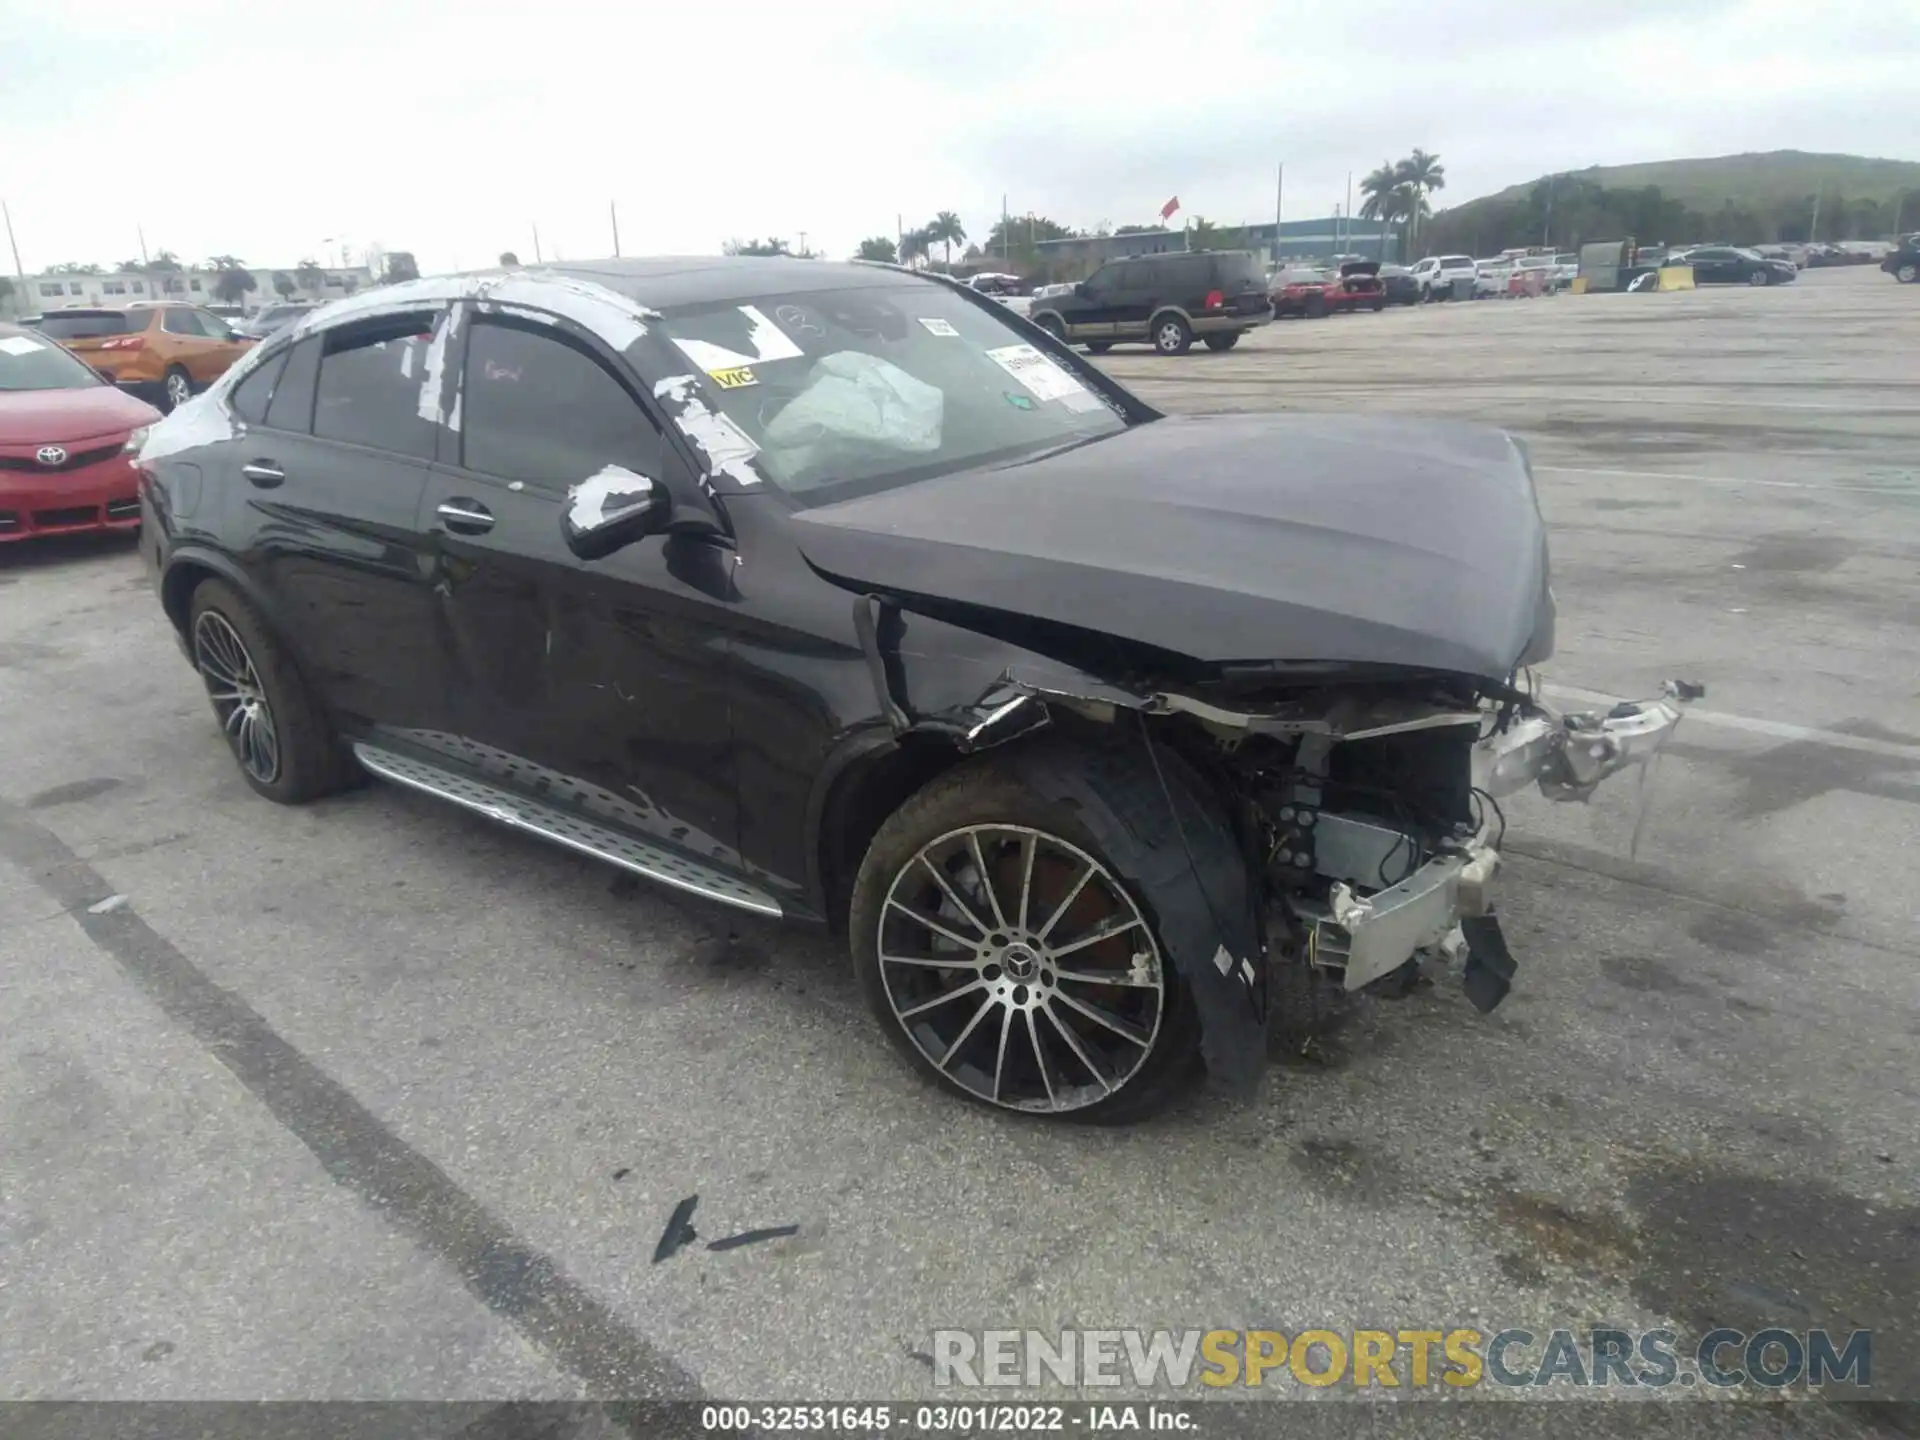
(1166, 210)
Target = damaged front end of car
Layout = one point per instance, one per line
(1367, 816)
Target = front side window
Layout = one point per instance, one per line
(181, 322)
(538, 409)
(369, 387)
(844, 391)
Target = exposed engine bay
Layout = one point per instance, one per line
(1369, 815)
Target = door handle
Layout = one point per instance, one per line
(263, 473)
(465, 517)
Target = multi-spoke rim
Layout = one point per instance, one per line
(1170, 336)
(179, 388)
(1021, 968)
(239, 701)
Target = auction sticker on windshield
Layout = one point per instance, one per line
(1039, 373)
(20, 345)
(937, 326)
(738, 378)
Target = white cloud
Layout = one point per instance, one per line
(451, 130)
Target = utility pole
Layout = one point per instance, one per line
(1813, 230)
(1279, 193)
(1546, 228)
(1006, 234)
(143, 242)
(613, 214)
(1348, 212)
(14, 245)
(803, 244)
(536, 241)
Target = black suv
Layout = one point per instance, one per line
(1168, 301)
(840, 594)
(1904, 263)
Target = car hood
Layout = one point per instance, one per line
(53, 417)
(1299, 540)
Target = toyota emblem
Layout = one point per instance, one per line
(50, 455)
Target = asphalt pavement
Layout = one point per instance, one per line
(371, 1100)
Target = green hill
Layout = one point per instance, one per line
(1739, 199)
(1757, 179)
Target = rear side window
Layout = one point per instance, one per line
(85, 327)
(536, 408)
(369, 387)
(251, 395)
(292, 405)
(1235, 270)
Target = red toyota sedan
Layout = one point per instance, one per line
(64, 442)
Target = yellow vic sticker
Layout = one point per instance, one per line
(736, 379)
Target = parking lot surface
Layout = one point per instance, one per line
(372, 1100)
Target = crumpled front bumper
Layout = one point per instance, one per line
(1445, 906)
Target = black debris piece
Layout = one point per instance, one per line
(753, 1237)
(622, 1173)
(679, 1231)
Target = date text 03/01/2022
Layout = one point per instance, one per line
(948, 1419)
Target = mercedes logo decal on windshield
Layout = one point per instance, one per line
(50, 455)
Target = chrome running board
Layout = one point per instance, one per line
(561, 827)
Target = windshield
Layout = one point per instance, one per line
(83, 325)
(30, 363)
(851, 390)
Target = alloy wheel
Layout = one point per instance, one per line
(1168, 338)
(1020, 967)
(239, 701)
(179, 389)
(1907, 274)
(1759, 277)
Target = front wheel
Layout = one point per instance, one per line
(1223, 342)
(1171, 335)
(1907, 274)
(1009, 958)
(178, 386)
(1760, 277)
(1051, 324)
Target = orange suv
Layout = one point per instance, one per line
(162, 353)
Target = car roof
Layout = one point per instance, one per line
(612, 296)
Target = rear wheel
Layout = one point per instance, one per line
(1171, 335)
(1907, 274)
(277, 731)
(1011, 961)
(1223, 342)
(178, 386)
(1760, 277)
(1378, 306)
(1051, 324)
(1313, 309)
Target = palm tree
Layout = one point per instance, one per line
(914, 245)
(310, 276)
(1411, 206)
(1426, 174)
(947, 229)
(1382, 200)
(1201, 233)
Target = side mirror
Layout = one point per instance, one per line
(611, 510)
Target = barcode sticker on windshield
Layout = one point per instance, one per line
(1039, 373)
(20, 345)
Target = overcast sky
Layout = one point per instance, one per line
(451, 130)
